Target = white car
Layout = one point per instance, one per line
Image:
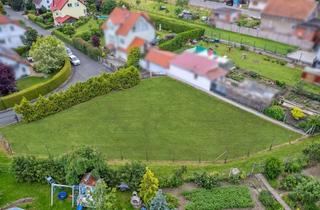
(74, 60)
(69, 52)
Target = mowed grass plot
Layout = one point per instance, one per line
(160, 119)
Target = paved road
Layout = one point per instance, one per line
(216, 5)
(87, 69)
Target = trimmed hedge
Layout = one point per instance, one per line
(39, 89)
(169, 25)
(180, 40)
(78, 93)
(33, 18)
(86, 48)
(62, 36)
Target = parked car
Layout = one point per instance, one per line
(69, 52)
(74, 60)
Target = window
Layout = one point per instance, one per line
(11, 28)
(48, 1)
(2, 41)
(195, 76)
(57, 13)
(76, 4)
(24, 70)
(134, 28)
(69, 4)
(122, 41)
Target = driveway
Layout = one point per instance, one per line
(216, 5)
(88, 68)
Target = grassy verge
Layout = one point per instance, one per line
(30, 81)
(160, 119)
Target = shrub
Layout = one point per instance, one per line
(206, 180)
(311, 125)
(312, 151)
(297, 113)
(276, 112)
(272, 168)
(78, 93)
(253, 74)
(134, 57)
(39, 89)
(62, 36)
(169, 25)
(290, 182)
(132, 174)
(173, 202)
(268, 201)
(86, 48)
(149, 186)
(7, 80)
(95, 41)
(180, 40)
(174, 180)
(307, 192)
(295, 165)
(280, 84)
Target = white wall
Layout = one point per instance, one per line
(149, 66)
(20, 69)
(189, 77)
(11, 35)
(44, 3)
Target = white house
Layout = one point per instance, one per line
(66, 11)
(157, 61)
(20, 66)
(125, 30)
(11, 33)
(198, 71)
(42, 3)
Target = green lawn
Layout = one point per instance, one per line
(219, 198)
(86, 27)
(160, 119)
(30, 81)
(152, 7)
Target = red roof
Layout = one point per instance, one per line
(5, 20)
(64, 19)
(159, 57)
(125, 18)
(59, 4)
(296, 9)
(137, 42)
(199, 65)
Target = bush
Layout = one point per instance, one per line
(268, 201)
(174, 180)
(86, 48)
(280, 84)
(132, 174)
(78, 93)
(290, 182)
(295, 165)
(39, 21)
(39, 89)
(180, 40)
(173, 202)
(22, 51)
(169, 25)
(307, 192)
(62, 36)
(272, 168)
(297, 113)
(276, 112)
(312, 151)
(311, 125)
(206, 180)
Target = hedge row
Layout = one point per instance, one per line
(169, 25)
(86, 48)
(33, 18)
(39, 89)
(180, 40)
(62, 36)
(78, 93)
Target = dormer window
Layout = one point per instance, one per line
(76, 4)
(134, 28)
(69, 4)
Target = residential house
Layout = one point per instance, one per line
(281, 16)
(309, 31)
(157, 61)
(11, 32)
(198, 71)
(20, 66)
(65, 11)
(125, 30)
(257, 5)
(42, 4)
(311, 75)
(224, 15)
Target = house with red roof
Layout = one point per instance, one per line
(198, 71)
(19, 65)
(66, 11)
(125, 30)
(157, 61)
(11, 32)
(282, 16)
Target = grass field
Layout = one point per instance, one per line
(160, 119)
(30, 81)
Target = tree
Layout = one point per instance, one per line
(182, 3)
(7, 80)
(132, 174)
(30, 5)
(134, 57)
(124, 4)
(16, 5)
(68, 29)
(273, 168)
(104, 197)
(95, 41)
(149, 186)
(49, 54)
(30, 36)
(159, 202)
(108, 6)
(2, 11)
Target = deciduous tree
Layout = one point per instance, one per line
(7, 80)
(104, 197)
(49, 54)
(108, 6)
(30, 37)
